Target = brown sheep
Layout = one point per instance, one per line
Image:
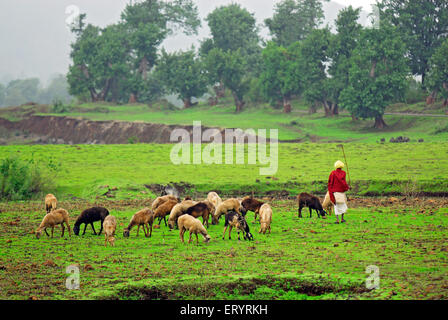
(225, 206)
(110, 226)
(202, 209)
(265, 218)
(52, 219)
(190, 223)
(161, 200)
(145, 218)
(251, 204)
(51, 202)
(179, 210)
(164, 210)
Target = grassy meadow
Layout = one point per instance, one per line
(301, 259)
(88, 171)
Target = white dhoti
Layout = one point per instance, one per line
(341, 203)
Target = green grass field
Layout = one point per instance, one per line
(301, 259)
(375, 169)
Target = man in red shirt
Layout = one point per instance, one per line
(337, 186)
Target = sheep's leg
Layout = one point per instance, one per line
(101, 230)
(300, 211)
(311, 212)
(164, 220)
(197, 240)
(181, 234)
(230, 230)
(63, 228)
(150, 230)
(85, 227)
(46, 232)
(138, 229)
(68, 227)
(224, 233)
(105, 240)
(189, 241)
(93, 228)
(52, 231)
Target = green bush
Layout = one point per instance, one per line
(59, 107)
(20, 180)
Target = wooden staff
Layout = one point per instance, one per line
(346, 163)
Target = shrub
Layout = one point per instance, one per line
(59, 107)
(20, 180)
(441, 129)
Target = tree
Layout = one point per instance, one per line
(100, 57)
(182, 73)
(340, 51)
(280, 78)
(438, 72)
(378, 73)
(294, 20)
(57, 89)
(314, 61)
(148, 24)
(233, 53)
(422, 26)
(231, 68)
(20, 91)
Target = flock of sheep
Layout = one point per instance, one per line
(183, 213)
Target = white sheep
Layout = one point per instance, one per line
(190, 223)
(214, 198)
(265, 218)
(110, 226)
(52, 219)
(225, 206)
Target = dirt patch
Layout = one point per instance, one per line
(65, 130)
(315, 287)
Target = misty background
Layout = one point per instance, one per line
(36, 40)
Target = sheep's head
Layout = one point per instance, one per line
(207, 238)
(76, 230)
(323, 213)
(243, 211)
(214, 220)
(126, 233)
(248, 236)
(38, 233)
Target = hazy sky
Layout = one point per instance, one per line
(35, 42)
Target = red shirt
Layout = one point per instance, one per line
(336, 181)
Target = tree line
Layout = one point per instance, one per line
(354, 68)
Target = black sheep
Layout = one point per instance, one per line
(312, 202)
(89, 216)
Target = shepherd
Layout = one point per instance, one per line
(337, 186)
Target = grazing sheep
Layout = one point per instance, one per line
(251, 204)
(214, 198)
(327, 205)
(110, 225)
(202, 209)
(161, 200)
(265, 218)
(163, 210)
(145, 218)
(52, 219)
(51, 202)
(89, 216)
(312, 202)
(178, 210)
(190, 223)
(226, 206)
(235, 220)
